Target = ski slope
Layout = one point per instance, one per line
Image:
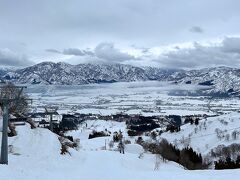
(35, 154)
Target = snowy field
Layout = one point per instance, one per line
(148, 98)
(34, 154)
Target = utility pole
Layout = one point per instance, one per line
(4, 147)
(5, 102)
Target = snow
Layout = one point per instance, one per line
(39, 159)
(203, 139)
(35, 153)
(134, 149)
(147, 98)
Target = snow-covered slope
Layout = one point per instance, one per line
(208, 135)
(35, 154)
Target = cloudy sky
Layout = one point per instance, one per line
(165, 33)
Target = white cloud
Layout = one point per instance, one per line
(231, 45)
(9, 58)
(73, 51)
(108, 52)
(227, 53)
(144, 23)
(224, 52)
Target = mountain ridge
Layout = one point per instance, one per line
(221, 79)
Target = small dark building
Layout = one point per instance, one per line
(175, 123)
(69, 122)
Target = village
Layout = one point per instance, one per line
(51, 119)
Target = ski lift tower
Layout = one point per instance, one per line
(7, 97)
(51, 110)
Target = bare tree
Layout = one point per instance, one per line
(227, 137)
(209, 104)
(9, 91)
(234, 135)
(220, 133)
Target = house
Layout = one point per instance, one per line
(175, 121)
(70, 122)
(42, 119)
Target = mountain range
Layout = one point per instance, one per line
(220, 79)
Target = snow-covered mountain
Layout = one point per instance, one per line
(220, 79)
(63, 73)
(4, 70)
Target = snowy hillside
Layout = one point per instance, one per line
(35, 154)
(210, 133)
